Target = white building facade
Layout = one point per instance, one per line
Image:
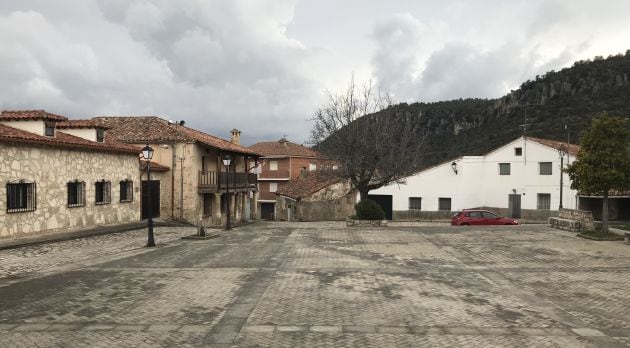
(526, 167)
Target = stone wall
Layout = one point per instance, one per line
(336, 209)
(51, 169)
(526, 214)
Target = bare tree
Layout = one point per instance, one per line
(373, 141)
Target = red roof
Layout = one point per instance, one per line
(283, 147)
(79, 124)
(573, 149)
(139, 129)
(10, 134)
(308, 185)
(30, 115)
(154, 166)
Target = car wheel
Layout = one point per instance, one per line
(465, 224)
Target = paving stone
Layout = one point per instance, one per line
(7, 327)
(31, 327)
(496, 331)
(195, 328)
(285, 328)
(461, 331)
(64, 327)
(325, 328)
(131, 328)
(258, 328)
(163, 327)
(392, 329)
(588, 332)
(358, 329)
(526, 331)
(98, 327)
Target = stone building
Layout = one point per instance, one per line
(59, 174)
(188, 171)
(317, 196)
(282, 162)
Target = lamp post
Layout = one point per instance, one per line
(147, 153)
(561, 152)
(226, 162)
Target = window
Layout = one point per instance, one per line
(474, 214)
(49, 129)
(21, 196)
(444, 203)
(488, 215)
(126, 191)
(100, 135)
(415, 203)
(312, 166)
(544, 201)
(103, 192)
(273, 186)
(518, 151)
(273, 165)
(545, 168)
(504, 169)
(76, 194)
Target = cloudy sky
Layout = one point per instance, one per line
(264, 66)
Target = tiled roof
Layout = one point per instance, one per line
(154, 166)
(573, 149)
(79, 124)
(283, 148)
(139, 129)
(10, 134)
(306, 186)
(30, 115)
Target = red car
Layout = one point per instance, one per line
(479, 217)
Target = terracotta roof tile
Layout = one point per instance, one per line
(306, 186)
(573, 149)
(61, 139)
(283, 148)
(154, 166)
(16, 115)
(155, 129)
(79, 124)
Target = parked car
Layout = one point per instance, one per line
(480, 217)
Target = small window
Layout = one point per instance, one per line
(126, 191)
(312, 166)
(273, 186)
(49, 129)
(474, 214)
(415, 203)
(545, 168)
(103, 192)
(518, 151)
(504, 168)
(100, 135)
(76, 194)
(444, 203)
(488, 215)
(273, 165)
(544, 201)
(21, 196)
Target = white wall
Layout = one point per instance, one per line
(478, 183)
(35, 127)
(85, 133)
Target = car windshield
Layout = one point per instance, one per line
(455, 214)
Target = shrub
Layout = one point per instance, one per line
(367, 209)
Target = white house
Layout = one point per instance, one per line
(523, 175)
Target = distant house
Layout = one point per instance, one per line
(59, 174)
(188, 171)
(521, 178)
(282, 162)
(317, 196)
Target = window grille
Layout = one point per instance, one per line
(544, 201)
(103, 192)
(21, 197)
(415, 203)
(444, 204)
(504, 168)
(545, 168)
(76, 194)
(126, 191)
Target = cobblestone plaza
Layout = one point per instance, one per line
(319, 285)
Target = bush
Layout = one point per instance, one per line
(367, 209)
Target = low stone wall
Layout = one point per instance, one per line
(573, 220)
(411, 215)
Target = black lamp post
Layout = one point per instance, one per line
(226, 162)
(561, 152)
(147, 153)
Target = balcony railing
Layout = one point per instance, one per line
(210, 181)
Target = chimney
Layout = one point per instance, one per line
(236, 136)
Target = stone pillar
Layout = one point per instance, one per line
(231, 200)
(245, 208)
(237, 206)
(255, 206)
(216, 209)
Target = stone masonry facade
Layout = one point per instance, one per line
(51, 168)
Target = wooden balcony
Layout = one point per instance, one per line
(210, 181)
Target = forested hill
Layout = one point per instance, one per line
(571, 96)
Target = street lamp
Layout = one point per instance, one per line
(561, 152)
(147, 153)
(226, 162)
